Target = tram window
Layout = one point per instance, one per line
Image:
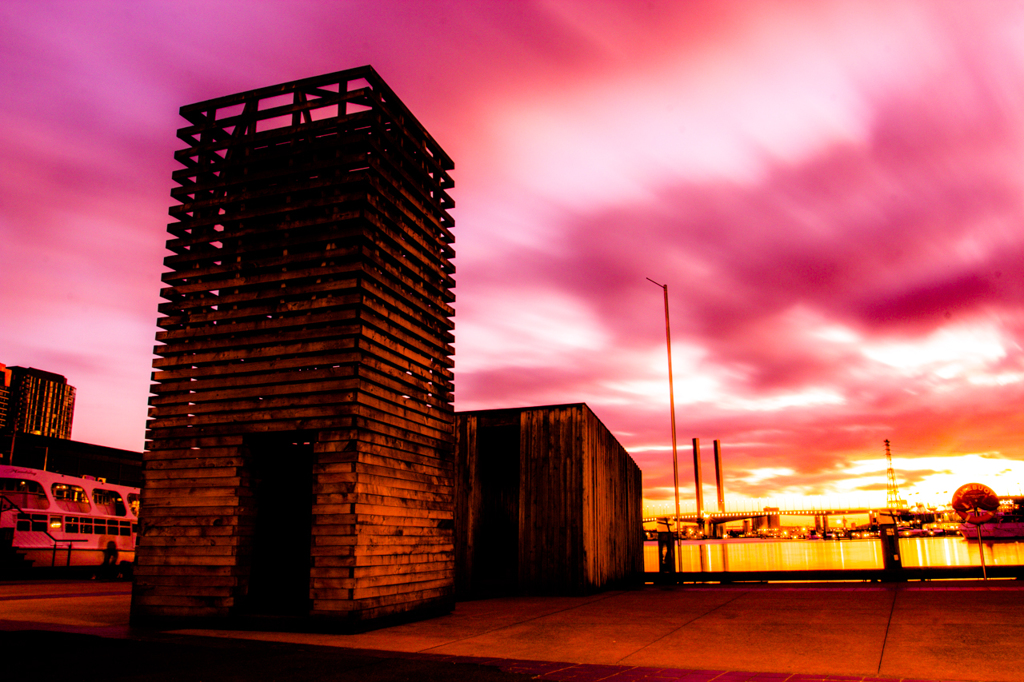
(99, 526)
(135, 529)
(25, 494)
(24, 522)
(71, 524)
(70, 497)
(39, 522)
(109, 502)
(56, 523)
(133, 503)
(86, 525)
(124, 528)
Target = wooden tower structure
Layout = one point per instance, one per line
(300, 445)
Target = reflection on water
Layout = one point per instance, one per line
(803, 555)
(958, 552)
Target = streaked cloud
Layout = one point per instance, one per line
(832, 191)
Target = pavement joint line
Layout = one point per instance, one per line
(888, 624)
(554, 670)
(505, 627)
(683, 625)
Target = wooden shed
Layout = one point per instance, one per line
(547, 502)
(300, 445)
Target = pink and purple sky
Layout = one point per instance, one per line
(834, 193)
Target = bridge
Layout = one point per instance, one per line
(769, 516)
(712, 524)
(725, 517)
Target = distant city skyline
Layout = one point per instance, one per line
(834, 193)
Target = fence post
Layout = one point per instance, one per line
(889, 536)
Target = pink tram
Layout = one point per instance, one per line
(58, 520)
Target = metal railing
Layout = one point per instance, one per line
(7, 504)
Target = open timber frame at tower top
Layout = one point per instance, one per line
(299, 458)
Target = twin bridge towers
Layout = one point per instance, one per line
(710, 521)
(699, 480)
(701, 516)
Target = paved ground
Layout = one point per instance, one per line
(761, 633)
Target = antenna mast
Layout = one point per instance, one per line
(892, 491)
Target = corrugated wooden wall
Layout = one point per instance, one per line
(551, 503)
(613, 506)
(578, 507)
(308, 300)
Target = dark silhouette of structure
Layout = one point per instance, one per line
(34, 401)
(73, 458)
(548, 502)
(300, 438)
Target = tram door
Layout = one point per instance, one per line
(282, 479)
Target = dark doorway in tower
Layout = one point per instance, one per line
(281, 467)
(497, 542)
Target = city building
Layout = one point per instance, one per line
(37, 402)
(5, 391)
(300, 444)
(36, 412)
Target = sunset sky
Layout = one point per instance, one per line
(833, 192)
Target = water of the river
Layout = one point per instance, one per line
(800, 555)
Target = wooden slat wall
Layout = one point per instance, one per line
(550, 501)
(580, 498)
(614, 513)
(309, 291)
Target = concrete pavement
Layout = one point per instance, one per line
(956, 630)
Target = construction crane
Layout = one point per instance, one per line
(892, 490)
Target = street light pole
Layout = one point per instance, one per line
(672, 412)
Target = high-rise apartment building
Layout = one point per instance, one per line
(5, 393)
(300, 444)
(37, 402)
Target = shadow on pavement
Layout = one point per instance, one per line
(79, 657)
